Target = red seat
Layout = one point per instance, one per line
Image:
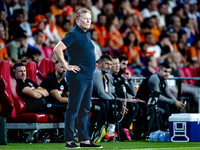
(46, 66)
(190, 73)
(12, 105)
(7, 104)
(130, 70)
(182, 74)
(31, 68)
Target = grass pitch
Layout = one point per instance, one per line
(133, 145)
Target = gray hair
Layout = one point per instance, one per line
(82, 11)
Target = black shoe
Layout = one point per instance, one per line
(91, 145)
(72, 145)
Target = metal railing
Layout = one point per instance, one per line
(179, 82)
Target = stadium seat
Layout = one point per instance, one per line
(46, 66)
(7, 104)
(130, 70)
(189, 73)
(46, 52)
(12, 105)
(182, 74)
(31, 71)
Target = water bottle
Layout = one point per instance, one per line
(167, 137)
(161, 137)
(153, 137)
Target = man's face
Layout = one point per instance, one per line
(67, 26)
(123, 65)
(153, 5)
(129, 21)
(135, 20)
(164, 73)
(61, 4)
(37, 58)
(153, 63)
(135, 3)
(60, 70)
(149, 39)
(102, 20)
(84, 21)
(3, 15)
(100, 4)
(20, 73)
(108, 8)
(38, 38)
(184, 38)
(105, 65)
(2, 33)
(22, 2)
(115, 66)
(163, 9)
(173, 38)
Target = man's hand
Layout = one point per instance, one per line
(135, 100)
(124, 109)
(139, 100)
(73, 68)
(127, 74)
(179, 105)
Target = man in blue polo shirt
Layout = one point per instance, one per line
(80, 70)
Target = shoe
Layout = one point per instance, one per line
(108, 137)
(91, 145)
(127, 133)
(72, 145)
(101, 135)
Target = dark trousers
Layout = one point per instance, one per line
(103, 111)
(78, 107)
(40, 105)
(128, 118)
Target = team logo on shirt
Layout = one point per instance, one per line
(31, 85)
(62, 87)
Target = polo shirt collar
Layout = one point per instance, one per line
(79, 29)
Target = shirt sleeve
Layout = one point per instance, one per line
(34, 84)
(99, 87)
(20, 86)
(153, 85)
(13, 52)
(68, 39)
(49, 84)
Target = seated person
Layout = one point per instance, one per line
(56, 85)
(32, 94)
(103, 108)
(157, 82)
(17, 47)
(118, 68)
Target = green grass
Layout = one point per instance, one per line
(110, 145)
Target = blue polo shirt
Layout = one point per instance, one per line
(80, 52)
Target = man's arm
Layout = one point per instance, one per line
(132, 87)
(153, 85)
(58, 97)
(59, 53)
(99, 86)
(32, 93)
(62, 45)
(42, 91)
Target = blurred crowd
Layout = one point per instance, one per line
(139, 33)
(137, 29)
